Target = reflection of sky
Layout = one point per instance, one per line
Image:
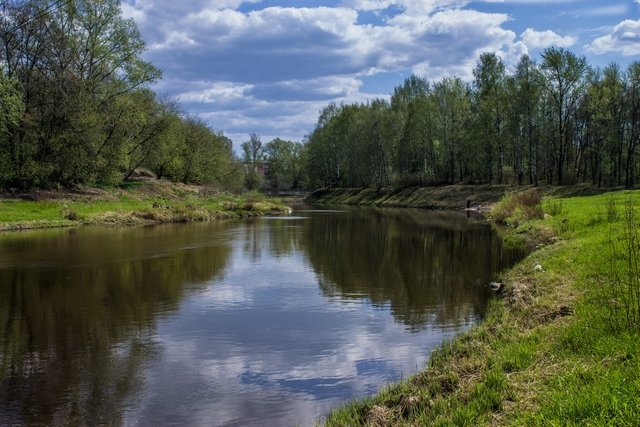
(263, 345)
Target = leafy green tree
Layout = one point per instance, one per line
(632, 121)
(327, 149)
(522, 120)
(453, 101)
(285, 164)
(415, 155)
(491, 105)
(564, 81)
(72, 63)
(11, 111)
(253, 155)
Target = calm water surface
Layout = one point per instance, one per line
(272, 321)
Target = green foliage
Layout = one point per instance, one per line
(253, 159)
(553, 207)
(134, 204)
(517, 207)
(612, 209)
(75, 109)
(559, 122)
(491, 103)
(286, 164)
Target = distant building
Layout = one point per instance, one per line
(261, 168)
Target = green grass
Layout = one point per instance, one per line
(479, 197)
(444, 197)
(551, 351)
(131, 207)
(518, 207)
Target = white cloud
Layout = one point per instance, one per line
(270, 70)
(132, 12)
(530, 1)
(323, 89)
(623, 39)
(214, 92)
(541, 39)
(599, 11)
(287, 44)
(410, 7)
(514, 54)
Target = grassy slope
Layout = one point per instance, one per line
(444, 197)
(142, 203)
(546, 354)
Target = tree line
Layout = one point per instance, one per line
(277, 165)
(559, 121)
(76, 108)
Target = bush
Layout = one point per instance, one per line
(517, 207)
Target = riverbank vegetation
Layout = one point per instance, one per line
(77, 108)
(559, 121)
(141, 202)
(476, 197)
(560, 345)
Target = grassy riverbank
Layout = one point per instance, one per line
(480, 197)
(149, 202)
(560, 347)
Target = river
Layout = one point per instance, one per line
(269, 321)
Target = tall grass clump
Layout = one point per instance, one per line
(623, 284)
(517, 207)
(554, 207)
(612, 209)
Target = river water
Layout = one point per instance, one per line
(270, 321)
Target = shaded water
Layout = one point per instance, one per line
(270, 321)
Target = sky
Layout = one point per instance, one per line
(269, 66)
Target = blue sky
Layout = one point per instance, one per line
(269, 66)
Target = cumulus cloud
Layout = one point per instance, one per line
(541, 39)
(237, 63)
(284, 44)
(623, 39)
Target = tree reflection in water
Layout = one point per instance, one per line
(78, 310)
(429, 267)
(255, 320)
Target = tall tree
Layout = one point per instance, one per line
(632, 121)
(564, 82)
(285, 164)
(453, 101)
(253, 154)
(72, 60)
(490, 104)
(523, 104)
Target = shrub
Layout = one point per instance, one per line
(517, 207)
